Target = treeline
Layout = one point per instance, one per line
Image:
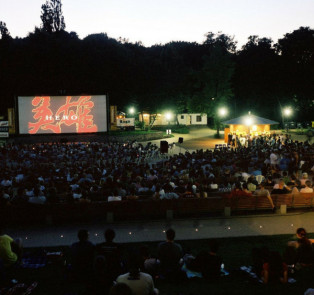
(261, 77)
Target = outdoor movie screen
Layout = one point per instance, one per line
(62, 114)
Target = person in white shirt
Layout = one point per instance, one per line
(139, 282)
(308, 187)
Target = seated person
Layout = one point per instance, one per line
(10, 250)
(300, 234)
(275, 270)
(170, 254)
(82, 255)
(208, 262)
(308, 187)
(111, 251)
(239, 192)
(262, 192)
(281, 188)
(139, 282)
(120, 289)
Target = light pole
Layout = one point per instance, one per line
(131, 111)
(287, 112)
(222, 112)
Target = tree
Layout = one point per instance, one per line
(258, 78)
(296, 51)
(3, 30)
(51, 16)
(213, 83)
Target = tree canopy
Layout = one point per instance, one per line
(183, 76)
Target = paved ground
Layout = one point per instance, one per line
(187, 229)
(198, 138)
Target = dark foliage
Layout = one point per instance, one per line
(260, 77)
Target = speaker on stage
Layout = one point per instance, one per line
(164, 146)
(180, 139)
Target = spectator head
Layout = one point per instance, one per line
(308, 183)
(170, 234)
(109, 235)
(281, 183)
(301, 233)
(134, 264)
(305, 175)
(82, 235)
(238, 185)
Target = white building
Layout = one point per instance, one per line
(192, 119)
(183, 119)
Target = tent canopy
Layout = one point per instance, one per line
(255, 120)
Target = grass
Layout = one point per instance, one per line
(235, 252)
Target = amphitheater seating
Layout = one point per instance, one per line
(150, 209)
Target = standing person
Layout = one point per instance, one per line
(10, 250)
(82, 254)
(170, 254)
(111, 251)
(273, 160)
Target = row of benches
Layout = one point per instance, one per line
(215, 205)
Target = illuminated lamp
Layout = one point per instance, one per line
(168, 116)
(248, 121)
(254, 127)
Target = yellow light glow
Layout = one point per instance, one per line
(254, 127)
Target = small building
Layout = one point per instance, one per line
(248, 124)
(192, 119)
(183, 119)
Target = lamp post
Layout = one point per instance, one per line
(222, 112)
(131, 111)
(287, 112)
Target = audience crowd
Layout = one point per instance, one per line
(87, 172)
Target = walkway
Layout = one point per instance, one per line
(188, 229)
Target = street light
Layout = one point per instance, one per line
(222, 112)
(287, 112)
(131, 110)
(168, 116)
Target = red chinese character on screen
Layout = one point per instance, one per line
(43, 115)
(71, 113)
(77, 112)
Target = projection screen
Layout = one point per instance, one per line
(62, 114)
